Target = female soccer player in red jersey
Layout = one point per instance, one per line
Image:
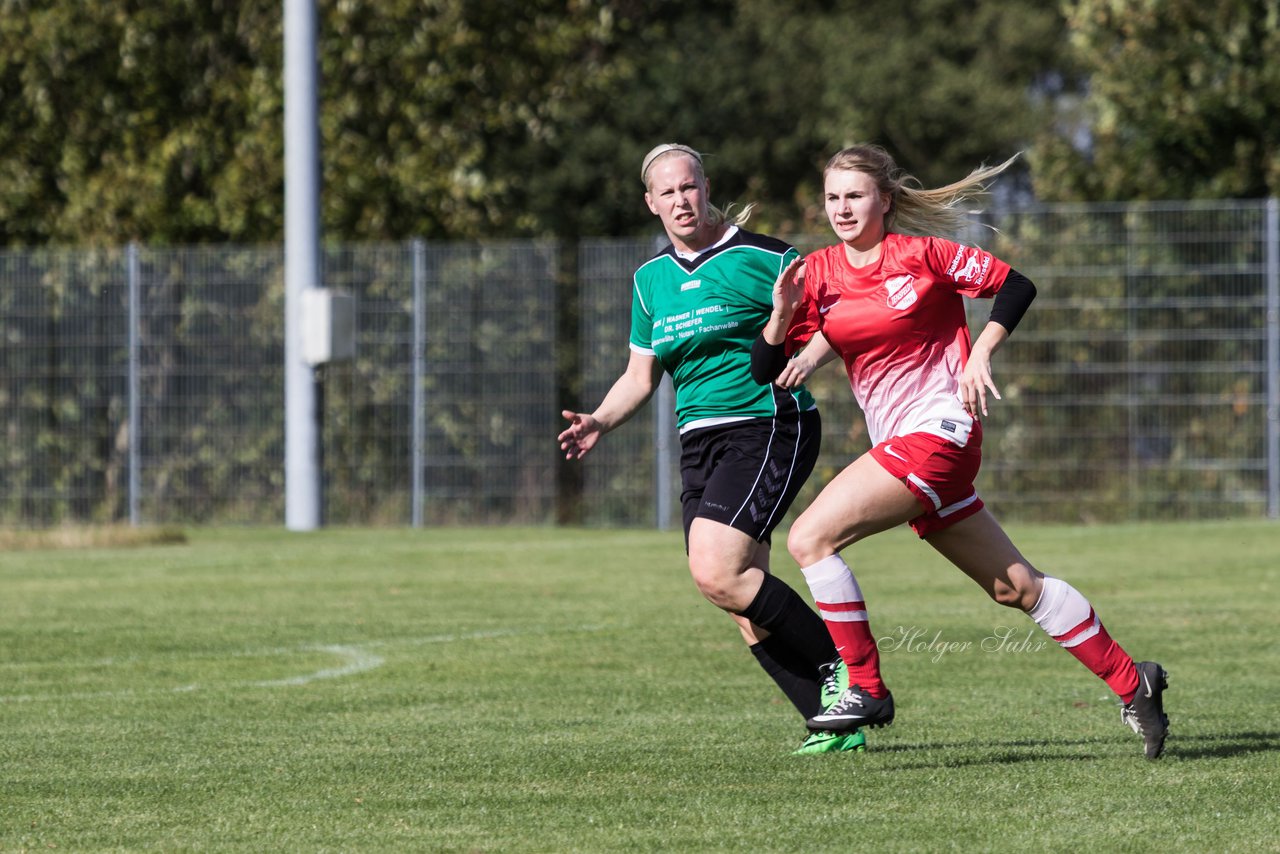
(888, 300)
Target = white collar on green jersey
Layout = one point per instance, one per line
(690, 256)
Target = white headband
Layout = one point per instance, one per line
(660, 150)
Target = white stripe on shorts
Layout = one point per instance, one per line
(927, 490)
(959, 505)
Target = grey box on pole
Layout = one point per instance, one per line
(328, 326)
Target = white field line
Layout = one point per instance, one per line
(357, 661)
(355, 658)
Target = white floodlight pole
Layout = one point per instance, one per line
(301, 262)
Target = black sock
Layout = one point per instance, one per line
(797, 678)
(780, 611)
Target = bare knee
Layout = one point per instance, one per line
(808, 545)
(722, 585)
(726, 564)
(713, 588)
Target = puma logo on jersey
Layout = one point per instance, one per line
(691, 284)
(902, 293)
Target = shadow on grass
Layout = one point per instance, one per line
(1222, 745)
(960, 754)
(988, 752)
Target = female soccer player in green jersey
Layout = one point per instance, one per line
(746, 449)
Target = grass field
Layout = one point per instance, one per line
(506, 690)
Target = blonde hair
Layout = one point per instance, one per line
(914, 209)
(715, 216)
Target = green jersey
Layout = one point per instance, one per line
(700, 318)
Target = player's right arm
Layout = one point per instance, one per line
(789, 320)
(788, 293)
(629, 392)
(800, 367)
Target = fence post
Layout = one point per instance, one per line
(419, 418)
(135, 398)
(1272, 242)
(664, 404)
(663, 418)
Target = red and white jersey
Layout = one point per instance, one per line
(899, 324)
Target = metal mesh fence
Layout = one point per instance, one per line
(146, 385)
(63, 389)
(208, 378)
(1137, 387)
(621, 475)
(1142, 384)
(473, 329)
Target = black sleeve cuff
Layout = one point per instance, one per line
(1012, 300)
(767, 360)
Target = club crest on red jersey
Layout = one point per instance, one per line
(901, 291)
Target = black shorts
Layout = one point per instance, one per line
(746, 474)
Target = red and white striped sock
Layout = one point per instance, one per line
(1069, 619)
(839, 600)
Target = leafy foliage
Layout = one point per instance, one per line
(1182, 101)
(156, 121)
(161, 121)
(944, 86)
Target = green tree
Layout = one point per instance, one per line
(1182, 100)
(161, 121)
(155, 121)
(945, 86)
(463, 119)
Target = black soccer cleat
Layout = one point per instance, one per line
(1145, 713)
(855, 708)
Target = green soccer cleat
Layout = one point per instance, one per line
(832, 742)
(835, 679)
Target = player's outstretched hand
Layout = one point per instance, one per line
(581, 436)
(788, 290)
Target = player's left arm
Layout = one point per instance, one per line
(1011, 303)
